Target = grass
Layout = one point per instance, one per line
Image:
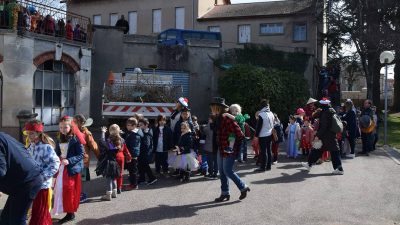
(393, 131)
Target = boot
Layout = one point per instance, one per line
(107, 196)
(114, 193)
(67, 218)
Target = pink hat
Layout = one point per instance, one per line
(300, 111)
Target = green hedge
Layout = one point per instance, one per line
(246, 85)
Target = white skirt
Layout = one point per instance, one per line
(58, 193)
(184, 161)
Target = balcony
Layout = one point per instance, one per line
(35, 19)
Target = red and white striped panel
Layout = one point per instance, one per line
(148, 110)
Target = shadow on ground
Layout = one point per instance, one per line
(300, 176)
(154, 214)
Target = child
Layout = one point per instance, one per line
(133, 139)
(162, 142)
(210, 148)
(42, 150)
(236, 114)
(300, 113)
(278, 130)
(292, 131)
(185, 117)
(186, 158)
(201, 157)
(67, 188)
(111, 164)
(146, 148)
(307, 136)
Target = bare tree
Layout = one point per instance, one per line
(353, 70)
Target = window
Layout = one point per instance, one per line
(171, 34)
(214, 29)
(300, 32)
(244, 34)
(271, 28)
(97, 19)
(53, 92)
(180, 18)
(113, 19)
(156, 20)
(132, 17)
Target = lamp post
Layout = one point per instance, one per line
(386, 58)
(137, 71)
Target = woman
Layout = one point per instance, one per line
(351, 120)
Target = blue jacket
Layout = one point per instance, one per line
(74, 156)
(167, 138)
(17, 167)
(132, 141)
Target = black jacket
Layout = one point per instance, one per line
(146, 146)
(17, 167)
(185, 143)
(328, 138)
(351, 120)
(167, 138)
(177, 130)
(124, 24)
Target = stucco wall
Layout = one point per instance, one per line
(18, 69)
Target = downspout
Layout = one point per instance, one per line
(193, 16)
(1, 100)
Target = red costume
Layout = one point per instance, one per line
(307, 136)
(123, 152)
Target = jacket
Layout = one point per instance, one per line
(208, 137)
(351, 120)
(133, 140)
(17, 167)
(167, 138)
(328, 138)
(91, 145)
(185, 143)
(265, 123)
(146, 145)
(225, 127)
(74, 156)
(177, 130)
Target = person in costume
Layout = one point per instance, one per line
(176, 114)
(90, 146)
(41, 148)
(235, 113)
(307, 136)
(67, 188)
(111, 162)
(310, 108)
(328, 139)
(293, 132)
(185, 160)
(185, 116)
(226, 156)
(20, 179)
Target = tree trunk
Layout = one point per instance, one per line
(396, 92)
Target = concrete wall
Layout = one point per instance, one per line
(18, 69)
(114, 51)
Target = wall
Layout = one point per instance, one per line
(140, 51)
(18, 69)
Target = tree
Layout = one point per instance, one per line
(353, 70)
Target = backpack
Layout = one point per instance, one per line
(337, 125)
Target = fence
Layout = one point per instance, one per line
(33, 17)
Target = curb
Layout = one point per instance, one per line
(392, 153)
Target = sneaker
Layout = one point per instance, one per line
(274, 162)
(130, 187)
(338, 172)
(352, 156)
(83, 198)
(107, 196)
(152, 181)
(305, 165)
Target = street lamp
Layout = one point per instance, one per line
(137, 71)
(386, 58)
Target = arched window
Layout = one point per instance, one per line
(53, 92)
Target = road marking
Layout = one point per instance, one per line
(391, 153)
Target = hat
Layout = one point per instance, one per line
(85, 122)
(219, 101)
(311, 100)
(300, 111)
(349, 100)
(325, 101)
(37, 127)
(183, 101)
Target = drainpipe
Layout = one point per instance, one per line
(193, 16)
(1, 100)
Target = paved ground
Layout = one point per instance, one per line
(368, 193)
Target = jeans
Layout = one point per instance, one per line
(225, 165)
(161, 161)
(265, 152)
(315, 154)
(212, 163)
(18, 203)
(243, 150)
(367, 142)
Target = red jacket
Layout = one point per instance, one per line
(226, 127)
(69, 31)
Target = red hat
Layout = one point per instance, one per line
(37, 127)
(184, 101)
(300, 111)
(325, 101)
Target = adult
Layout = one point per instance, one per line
(20, 179)
(328, 139)
(226, 156)
(264, 128)
(367, 127)
(310, 108)
(351, 120)
(180, 105)
(123, 24)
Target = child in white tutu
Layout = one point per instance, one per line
(183, 157)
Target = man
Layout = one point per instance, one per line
(20, 179)
(367, 126)
(264, 128)
(226, 156)
(328, 139)
(123, 24)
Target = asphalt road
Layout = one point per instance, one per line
(368, 193)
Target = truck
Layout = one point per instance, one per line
(146, 92)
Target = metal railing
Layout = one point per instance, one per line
(33, 17)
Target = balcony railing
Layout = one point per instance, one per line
(28, 16)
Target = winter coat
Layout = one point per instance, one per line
(133, 141)
(328, 138)
(91, 145)
(351, 120)
(185, 143)
(167, 138)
